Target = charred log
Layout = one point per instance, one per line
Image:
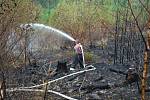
(131, 77)
(91, 88)
(118, 71)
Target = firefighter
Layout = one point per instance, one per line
(78, 59)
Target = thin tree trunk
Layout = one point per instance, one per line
(3, 88)
(145, 70)
(115, 50)
(46, 88)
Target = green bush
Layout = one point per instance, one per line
(70, 53)
(88, 56)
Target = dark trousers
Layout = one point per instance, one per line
(78, 59)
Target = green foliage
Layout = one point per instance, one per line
(76, 16)
(60, 12)
(47, 9)
(70, 53)
(44, 15)
(80, 12)
(88, 56)
(50, 4)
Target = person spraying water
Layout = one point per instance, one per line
(79, 55)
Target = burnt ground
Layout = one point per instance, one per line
(72, 86)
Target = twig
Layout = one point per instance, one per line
(46, 88)
(144, 7)
(144, 41)
(38, 90)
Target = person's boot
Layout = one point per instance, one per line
(81, 66)
(72, 68)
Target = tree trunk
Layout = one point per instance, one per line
(3, 88)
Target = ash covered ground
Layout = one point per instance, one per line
(81, 86)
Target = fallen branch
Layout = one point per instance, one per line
(131, 77)
(117, 71)
(91, 88)
(38, 90)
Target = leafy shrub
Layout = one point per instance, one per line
(88, 56)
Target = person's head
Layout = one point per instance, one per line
(77, 41)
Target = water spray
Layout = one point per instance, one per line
(50, 29)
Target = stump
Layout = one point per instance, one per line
(62, 67)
